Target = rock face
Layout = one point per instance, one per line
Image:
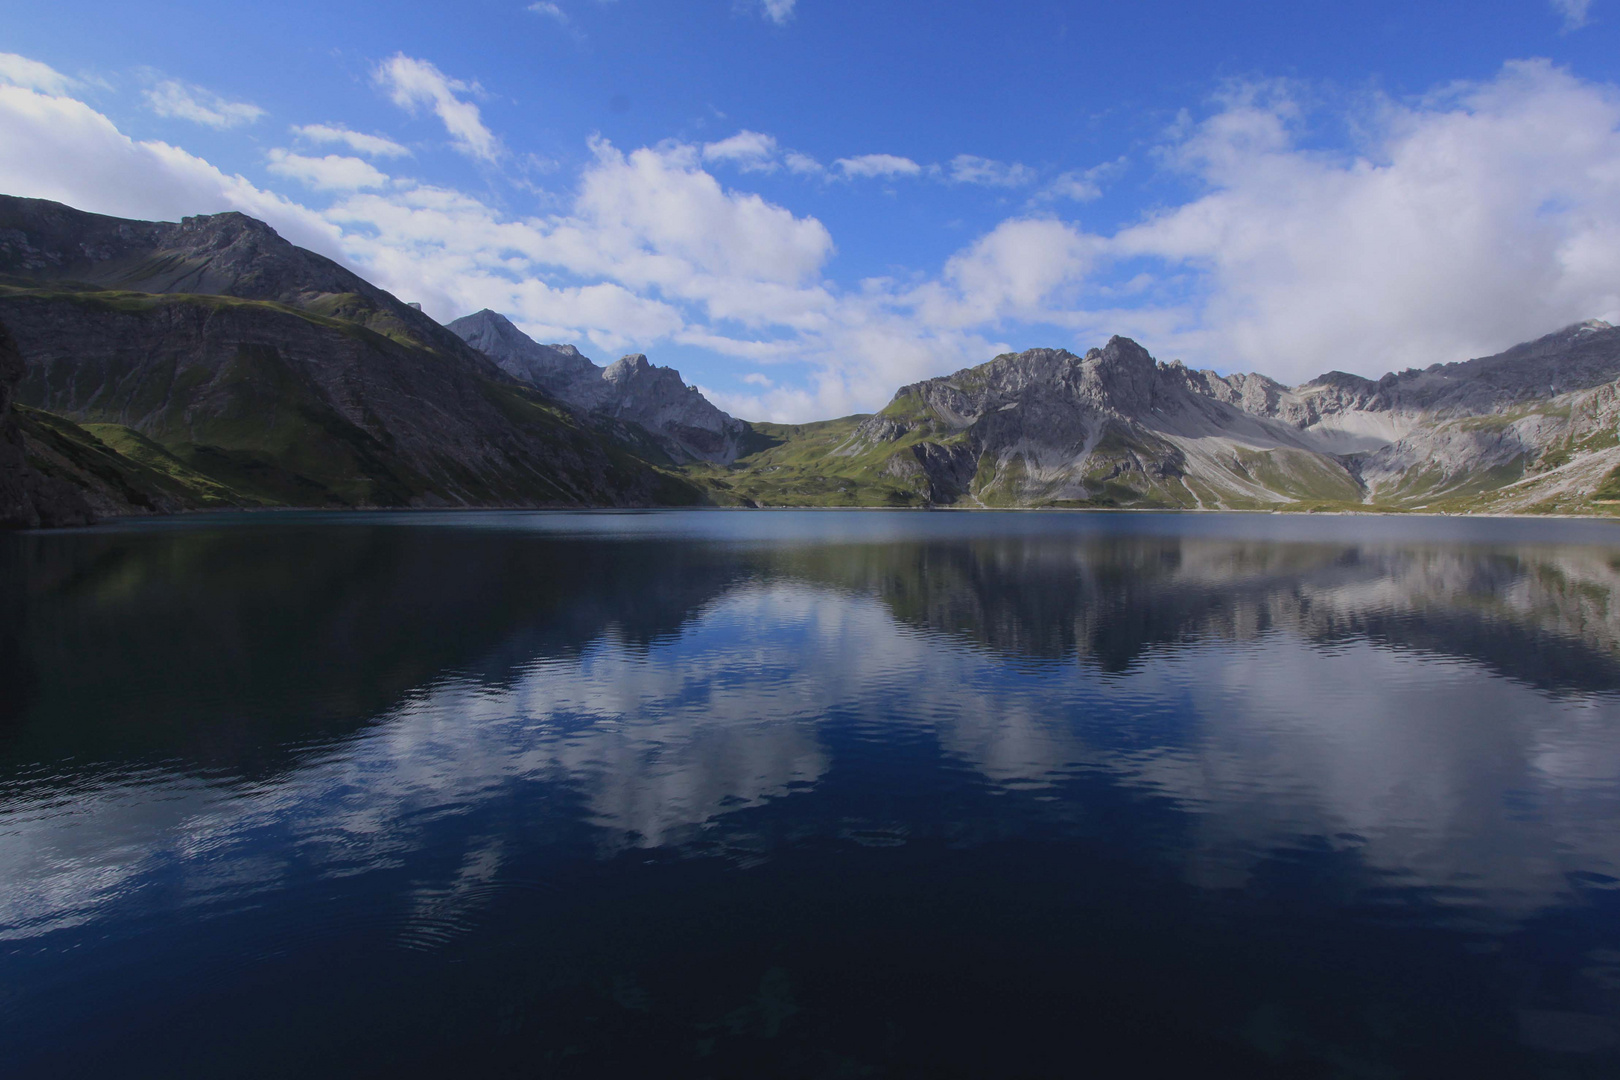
(1111, 428)
(678, 417)
(278, 377)
(1530, 428)
(1526, 425)
(28, 499)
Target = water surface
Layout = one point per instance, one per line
(714, 794)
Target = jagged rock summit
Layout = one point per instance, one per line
(683, 422)
(1114, 427)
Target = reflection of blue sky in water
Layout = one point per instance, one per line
(1439, 774)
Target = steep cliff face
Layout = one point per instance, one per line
(631, 390)
(28, 499)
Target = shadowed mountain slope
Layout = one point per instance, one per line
(253, 372)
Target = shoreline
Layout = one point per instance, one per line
(128, 519)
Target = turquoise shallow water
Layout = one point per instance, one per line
(715, 794)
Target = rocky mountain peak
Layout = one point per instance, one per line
(632, 366)
(550, 367)
(678, 417)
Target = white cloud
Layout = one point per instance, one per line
(968, 169)
(376, 146)
(803, 164)
(182, 101)
(778, 11)
(550, 11)
(33, 75)
(329, 173)
(1573, 12)
(1080, 185)
(1475, 219)
(867, 165)
(413, 83)
(657, 244)
(1020, 269)
(750, 151)
(656, 208)
(58, 148)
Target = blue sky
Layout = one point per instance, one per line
(803, 204)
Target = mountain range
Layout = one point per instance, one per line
(154, 367)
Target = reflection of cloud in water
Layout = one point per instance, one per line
(1441, 774)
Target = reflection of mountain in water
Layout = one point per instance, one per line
(223, 645)
(644, 692)
(1547, 616)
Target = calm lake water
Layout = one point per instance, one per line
(719, 794)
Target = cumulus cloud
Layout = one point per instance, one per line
(550, 11)
(868, 165)
(1080, 185)
(778, 11)
(376, 146)
(330, 173)
(750, 151)
(414, 84)
(32, 75)
(1573, 12)
(182, 101)
(968, 169)
(1022, 269)
(658, 246)
(803, 164)
(1474, 219)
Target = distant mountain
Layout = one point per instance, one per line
(680, 419)
(1531, 429)
(252, 372)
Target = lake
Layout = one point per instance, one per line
(810, 794)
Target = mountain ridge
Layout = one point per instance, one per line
(631, 389)
(292, 382)
(210, 363)
(1533, 428)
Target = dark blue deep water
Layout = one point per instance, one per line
(727, 794)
